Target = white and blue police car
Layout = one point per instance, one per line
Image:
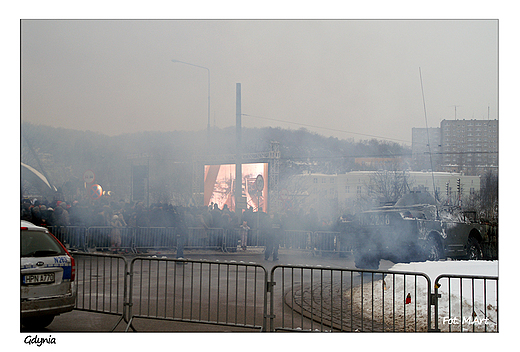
(47, 273)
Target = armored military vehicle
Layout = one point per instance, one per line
(418, 228)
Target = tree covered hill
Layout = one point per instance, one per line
(64, 154)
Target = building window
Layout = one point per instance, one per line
(315, 180)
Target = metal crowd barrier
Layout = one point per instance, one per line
(73, 237)
(334, 299)
(138, 239)
(292, 298)
(101, 283)
(332, 242)
(222, 293)
(231, 240)
(295, 239)
(205, 238)
(157, 238)
(102, 238)
(255, 238)
(466, 303)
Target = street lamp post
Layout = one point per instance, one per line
(209, 99)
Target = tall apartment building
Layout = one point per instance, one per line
(469, 146)
(466, 146)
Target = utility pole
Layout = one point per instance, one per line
(238, 168)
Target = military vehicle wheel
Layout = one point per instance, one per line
(474, 251)
(366, 261)
(432, 250)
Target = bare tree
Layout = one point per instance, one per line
(489, 196)
(294, 192)
(388, 186)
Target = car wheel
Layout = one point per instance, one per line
(474, 251)
(38, 322)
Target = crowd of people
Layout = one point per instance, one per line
(100, 213)
(117, 214)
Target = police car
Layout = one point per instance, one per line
(47, 272)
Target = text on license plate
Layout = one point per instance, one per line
(38, 278)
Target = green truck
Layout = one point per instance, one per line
(417, 228)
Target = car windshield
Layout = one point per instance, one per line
(39, 244)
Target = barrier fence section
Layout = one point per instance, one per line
(72, 236)
(329, 241)
(139, 239)
(222, 293)
(254, 238)
(316, 241)
(292, 298)
(336, 299)
(297, 240)
(466, 303)
(101, 284)
(157, 238)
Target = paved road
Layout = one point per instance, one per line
(286, 314)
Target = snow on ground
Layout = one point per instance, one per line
(410, 294)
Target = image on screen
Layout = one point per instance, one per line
(219, 185)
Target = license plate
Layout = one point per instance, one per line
(38, 279)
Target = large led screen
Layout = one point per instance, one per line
(219, 185)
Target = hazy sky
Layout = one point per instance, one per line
(358, 76)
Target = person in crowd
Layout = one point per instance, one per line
(47, 215)
(228, 226)
(216, 217)
(249, 216)
(116, 223)
(204, 222)
(25, 211)
(244, 229)
(215, 236)
(61, 215)
(181, 230)
(142, 218)
(36, 217)
(273, 234)
(342, 226)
